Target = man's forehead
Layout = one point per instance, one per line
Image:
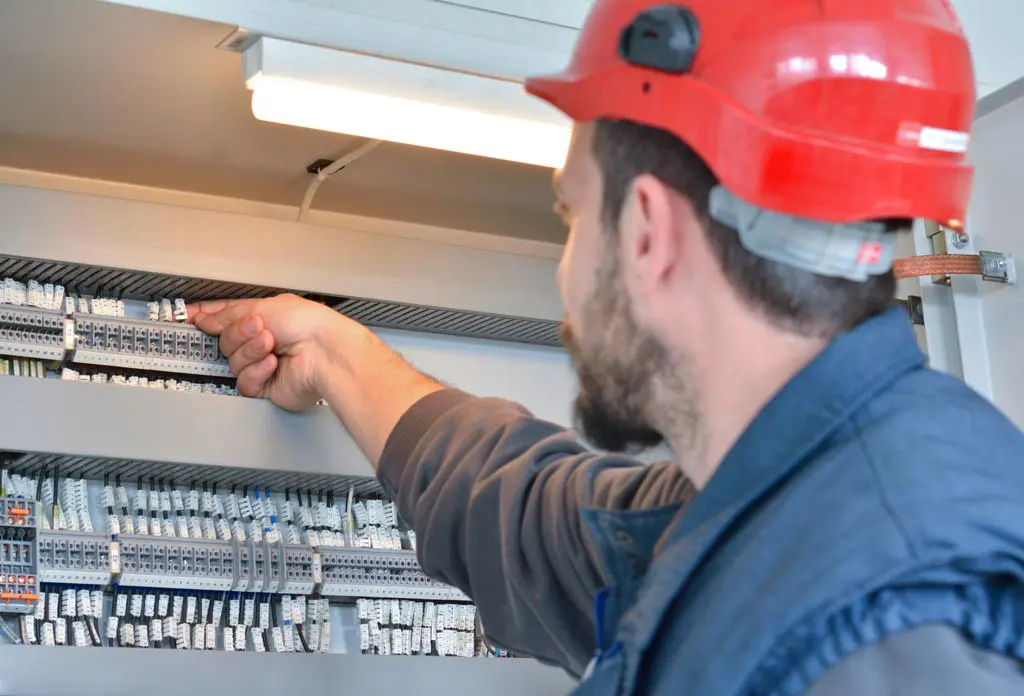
(579, 163)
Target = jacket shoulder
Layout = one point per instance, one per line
(940, 456)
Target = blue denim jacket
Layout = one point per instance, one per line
(870, 497)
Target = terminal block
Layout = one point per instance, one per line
(243, 578)
(274, 555)
(296, 570)
(74, 558)
(194, 564)
(19, 570)
(257, 567)
(349, 572)
(31, 333)
(147, 345)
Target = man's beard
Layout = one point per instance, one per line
(619, 366)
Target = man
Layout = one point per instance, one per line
(735, 179)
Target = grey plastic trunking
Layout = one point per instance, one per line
(132, 423)
(113, 672)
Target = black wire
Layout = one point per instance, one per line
(266, 638)
(166, 513)
(113, 613)
(302, 638)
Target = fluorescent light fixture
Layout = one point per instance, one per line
(383, 99)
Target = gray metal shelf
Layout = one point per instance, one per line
(113, 672)
(95, 428)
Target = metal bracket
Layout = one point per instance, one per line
(997, 267)
(913, 307)
(936, 234)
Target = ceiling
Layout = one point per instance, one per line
(113, 92)
(117, 93)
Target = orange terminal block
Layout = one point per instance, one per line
(18, 512)
(8, 596)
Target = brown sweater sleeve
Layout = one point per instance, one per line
(494, 496)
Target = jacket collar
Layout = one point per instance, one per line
(798, 420)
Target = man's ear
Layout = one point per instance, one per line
(651, 235)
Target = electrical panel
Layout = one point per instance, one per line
(210, 564)
(194, 567)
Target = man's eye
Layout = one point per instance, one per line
(562, 211)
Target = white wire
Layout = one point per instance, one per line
(332, 168)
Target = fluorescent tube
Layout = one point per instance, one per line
(361, 95)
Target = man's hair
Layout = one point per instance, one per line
(790, 298)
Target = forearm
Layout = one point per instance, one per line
(368, 386)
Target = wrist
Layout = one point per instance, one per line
(340, 342)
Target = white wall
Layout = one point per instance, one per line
(540, 378)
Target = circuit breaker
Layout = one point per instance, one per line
(19, 570)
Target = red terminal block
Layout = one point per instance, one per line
(22, 579)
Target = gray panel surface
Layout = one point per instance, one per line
(238, 248)
(61, 671)
(111, 421)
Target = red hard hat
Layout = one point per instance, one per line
(833, 110)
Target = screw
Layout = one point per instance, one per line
(959, 238)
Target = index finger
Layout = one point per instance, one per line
(207, 307)
(216, 315)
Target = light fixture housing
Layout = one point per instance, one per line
(382, 99)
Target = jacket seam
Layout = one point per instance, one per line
(890, 509)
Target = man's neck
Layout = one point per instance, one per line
(739, 373)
